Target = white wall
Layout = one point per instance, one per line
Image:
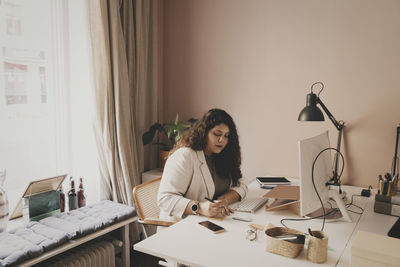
(258, 58)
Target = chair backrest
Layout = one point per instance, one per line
(145, 196)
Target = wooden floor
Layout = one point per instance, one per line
(139, 259)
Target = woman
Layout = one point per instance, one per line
(204, 164)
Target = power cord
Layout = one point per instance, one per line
(313, 182)
(354, 205)
(306, 219)
(364, 193)
(332, 211)
(316, 191)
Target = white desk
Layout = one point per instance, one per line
(189, 243)
(369, 222)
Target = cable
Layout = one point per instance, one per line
(313, 182)
(306, 219)
(351, 204)
(316, 191)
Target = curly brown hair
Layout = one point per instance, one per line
(227, 163)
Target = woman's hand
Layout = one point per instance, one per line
(218, 208)
(226, 210)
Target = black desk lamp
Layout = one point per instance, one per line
(312, 113)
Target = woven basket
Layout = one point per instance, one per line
(282, 247)
(317, 250)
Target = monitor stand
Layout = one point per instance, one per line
(341, 214)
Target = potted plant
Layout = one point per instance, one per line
(168, 134)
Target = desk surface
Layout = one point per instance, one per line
(189, 243)
(369, 222)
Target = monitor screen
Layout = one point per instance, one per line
(308, 150)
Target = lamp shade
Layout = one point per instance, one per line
(311, 112)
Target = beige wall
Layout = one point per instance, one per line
(258, 58)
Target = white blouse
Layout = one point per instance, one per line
(187, 177)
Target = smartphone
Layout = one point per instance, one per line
(212, 226)
(272, 180)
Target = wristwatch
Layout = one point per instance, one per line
(195, 208)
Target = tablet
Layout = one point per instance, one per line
(272, 180)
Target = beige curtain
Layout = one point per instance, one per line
(125, 72)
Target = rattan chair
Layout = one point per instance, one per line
(145, 196)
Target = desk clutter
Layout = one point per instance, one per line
(286, 197)
(290, 242)
(317, 250)
(38, 237)
(388, 185)
(45, 198)
(386, 200)
(278, 244)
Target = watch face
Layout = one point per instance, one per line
(195, 207)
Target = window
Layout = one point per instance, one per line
(45, 94)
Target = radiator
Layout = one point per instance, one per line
(94, 254)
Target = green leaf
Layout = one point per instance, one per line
(176, 118)
(174, 130)
(177, 137)
(170, 129)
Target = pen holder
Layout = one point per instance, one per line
(283, 247)
(392, 189)
(380, 187)
(387, 188)
(317, 250)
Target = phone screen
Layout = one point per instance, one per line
(212, 226)
(273, 180)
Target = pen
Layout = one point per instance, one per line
(395, 179)
(212, 201)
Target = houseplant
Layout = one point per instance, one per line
(168, 134)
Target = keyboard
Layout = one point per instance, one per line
(395, 230)
(251, 204)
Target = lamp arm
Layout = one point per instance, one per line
(335, 176)
(394, 167)
(337, 124)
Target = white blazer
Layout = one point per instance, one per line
(186, 177)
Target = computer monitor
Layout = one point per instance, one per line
(310, 205)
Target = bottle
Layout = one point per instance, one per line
(62, 199)
(72, 197)
(81, 195)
